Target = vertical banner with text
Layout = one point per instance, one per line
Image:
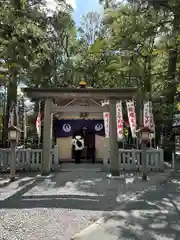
(119, 116)
(106, 123)
(119, 122)
(38, 124)
(149, 118)
(131, 117)
(146, 116)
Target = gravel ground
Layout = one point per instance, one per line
(54, 208)
(154, 215)
(35, 208)
(43, 223)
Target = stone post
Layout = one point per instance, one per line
(13, 145)
(144, 160)
(113, 144)
(47, 139)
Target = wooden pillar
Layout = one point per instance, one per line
(13, 145)
(113, 144)
(139, 109)
(139, 114)
(47, 138)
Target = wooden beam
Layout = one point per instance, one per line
(75, 109)
(98, 104)
(113, 144)
(69, 103)
(86, 93)
(47, 138)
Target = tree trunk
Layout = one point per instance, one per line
(11, 99)
(171, 92)
(12, 86)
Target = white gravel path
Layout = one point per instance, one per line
(56, 208)
(154, 215)
(43, 223)
(34, 208)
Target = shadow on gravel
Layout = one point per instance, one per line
(21, 178)
(155, 215)
(77, 190)
(12, 201)
(68, 201)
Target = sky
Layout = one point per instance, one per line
(81, 7)
(84, 6)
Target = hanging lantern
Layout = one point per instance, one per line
(83, 84)
(178, 106)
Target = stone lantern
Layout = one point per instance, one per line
(13, 136)
(144, 134)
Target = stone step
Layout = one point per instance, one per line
(81, 166)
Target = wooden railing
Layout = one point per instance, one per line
(131, 159)
(28, 159)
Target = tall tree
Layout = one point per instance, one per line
(23, 37)
(173, 49)
(54, 69)
(91, 27)
(90, 56)
(109, 3)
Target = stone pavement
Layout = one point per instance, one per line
(4, 180)
(58, 206)
(152, 215)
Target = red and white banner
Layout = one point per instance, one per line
(38, 124)
(106, 123)
(119, 116)
(131, 117)
(12, 111)
(119, 122)
(148, 117)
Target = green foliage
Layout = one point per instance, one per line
(129, 44)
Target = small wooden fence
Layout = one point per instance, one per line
(28, 159)
(131, 159)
